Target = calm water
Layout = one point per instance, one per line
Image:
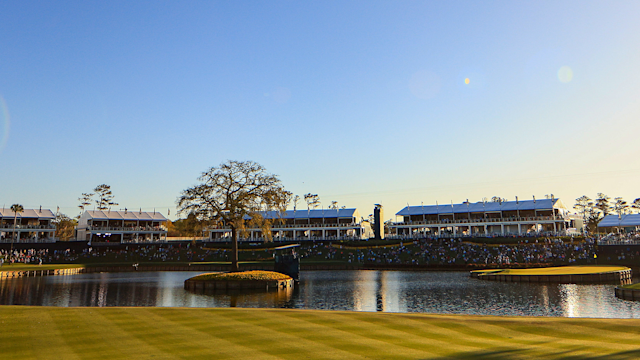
(391, 291)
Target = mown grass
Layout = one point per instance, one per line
(31, 267)
(243, 276)
(178, 333)
(558, 270)
(635, 286)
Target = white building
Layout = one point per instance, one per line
(484, 219)
(32, 225)
(121, 227)
(300, 225)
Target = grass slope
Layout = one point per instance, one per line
(178, 333)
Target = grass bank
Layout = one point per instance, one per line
(178, 333)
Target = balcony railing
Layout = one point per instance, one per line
(28, 227)
(28, 241)
(296, 226)
(286, 239)
(127, 228)
(485, 220)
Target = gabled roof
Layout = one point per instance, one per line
(624, 220)
(541, 204)
(121, 215)
(28, 213)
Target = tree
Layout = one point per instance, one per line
(312, 202)
(105, 197)
(619, 206)
(636, 204)
(17, 209)
(234, 192)
(334, 205)
(85, 200)
(593, 218)
(64, 226)
(583, 205)
(191, 226)
(498, 199)
(295, 202)
(602, 204)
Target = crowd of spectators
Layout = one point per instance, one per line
(425, 252)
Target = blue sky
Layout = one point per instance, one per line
(361, 102)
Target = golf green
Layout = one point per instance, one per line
(233, 333)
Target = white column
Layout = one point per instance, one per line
(323, 234)
(338, 233)
(502, 228)
(519, 229)
(486, 232)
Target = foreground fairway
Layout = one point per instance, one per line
(178, 333)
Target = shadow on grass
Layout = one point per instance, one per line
(508, 354)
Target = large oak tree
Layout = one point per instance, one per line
(235, 193)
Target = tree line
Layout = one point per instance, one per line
(594, 210)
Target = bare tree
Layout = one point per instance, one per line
(235, 192)
(105, 197)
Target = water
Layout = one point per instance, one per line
(389, 291)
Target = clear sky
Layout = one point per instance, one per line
(361, 102)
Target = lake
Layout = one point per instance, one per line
(357, 290)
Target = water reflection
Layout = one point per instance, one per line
(388, 291)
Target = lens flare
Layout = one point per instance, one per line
(565, 74)
(467, 81)
(4, 123)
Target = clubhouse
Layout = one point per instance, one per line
(121, 227)
(32, 226)
(484, 219)
(300, 225)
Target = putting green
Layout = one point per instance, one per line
(560, 270)
(179, 333)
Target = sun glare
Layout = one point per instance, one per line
(467, 81)
(565, 74)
